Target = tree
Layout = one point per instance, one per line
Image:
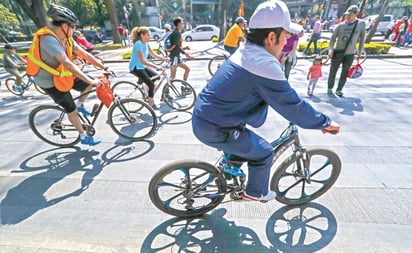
(223, 16)
(111, 8)
(375, 25)
(8, 18)
(36, 10)
(85, 10)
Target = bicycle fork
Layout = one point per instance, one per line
(305, 171)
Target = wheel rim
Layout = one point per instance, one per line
(126, 89)
(215, 64)
(46, 125)
(179, 95)
(139, 122)
(187, 190)
(291, 186)
(11, 86)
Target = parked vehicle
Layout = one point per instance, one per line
(383, 24)
(202, 32)
(93, 36)
(156, 33)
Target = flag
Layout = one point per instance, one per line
(241, 11)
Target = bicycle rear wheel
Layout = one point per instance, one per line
(132, 119)
(215, 63)
(51, 125)
(39, 89)
(179, 95)
(126, 89)
(187, 188)
(11, 86)
(290, 185)
(79, 62)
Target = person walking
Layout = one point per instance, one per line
(347, 34)
(288, 55)
(402, 32)
(315, 36)
(234, 35)
(315, 72)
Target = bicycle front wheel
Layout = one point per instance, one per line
(132, 119)
(51, 125)
(179, 95)
(215, 63)
(12, 87)
(187, 188)
(290, 184)
(126, 89)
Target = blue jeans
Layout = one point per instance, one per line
(242, 143)
(314, 39)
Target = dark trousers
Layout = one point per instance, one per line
(337, 60)
(241, 143)
(314, 39)
(146, 76)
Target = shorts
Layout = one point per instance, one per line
(65, 99)
(175, 60)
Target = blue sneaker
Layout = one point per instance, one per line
(81, 109)
(19, 89)
(89, 140)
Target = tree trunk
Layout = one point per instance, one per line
(362, 9)
(222, 25)
(111, 9)
(375, 25)
(36, 11)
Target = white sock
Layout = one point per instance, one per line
(79, 103)
(83, 135)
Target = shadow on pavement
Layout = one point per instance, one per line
(172, 117)
(349, 105)
(306, 228)
(208, 233)
(28, 197)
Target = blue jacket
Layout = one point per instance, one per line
(243, 88)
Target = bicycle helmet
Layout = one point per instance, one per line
(62, 14)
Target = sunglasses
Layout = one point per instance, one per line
(72, 26)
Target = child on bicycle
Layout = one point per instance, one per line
(139, 65)
(315, 72)
(12, 62)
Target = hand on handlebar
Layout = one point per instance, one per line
(97, 83)
(333, 128)
(109, 72)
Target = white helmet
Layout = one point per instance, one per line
(168, 27)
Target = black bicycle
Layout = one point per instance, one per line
(176, 93)
(190, 188)
(128, 117)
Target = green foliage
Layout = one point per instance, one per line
(85, 10)
(7, 17)
(127, 55)
(370, 48)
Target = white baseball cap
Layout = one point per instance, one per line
(273, 14)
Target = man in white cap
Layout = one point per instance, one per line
(347, 34)
(240, 94)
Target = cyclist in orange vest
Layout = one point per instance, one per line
(50, 63)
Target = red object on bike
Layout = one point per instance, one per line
(356, 70)
(105, 93)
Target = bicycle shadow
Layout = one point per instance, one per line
(349, 105)
(305, 228)
(170, 116)
(208, 233)
(28, 197)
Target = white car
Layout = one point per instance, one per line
(202, 32)
(156, 33)
(383, 24)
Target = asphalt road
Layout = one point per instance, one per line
(85, 199)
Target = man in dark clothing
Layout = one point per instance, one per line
(177, 40)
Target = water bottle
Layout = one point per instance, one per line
(94, 110)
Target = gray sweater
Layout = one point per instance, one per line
(342, 34)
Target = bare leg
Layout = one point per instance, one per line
(186, 69)
(83, 98)
(74, 119)
(173, 70)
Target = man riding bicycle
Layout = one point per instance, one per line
(241, 91)
(50, 63)
(234, 35)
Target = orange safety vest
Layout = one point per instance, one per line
(63, 79)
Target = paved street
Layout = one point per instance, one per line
(95, 199)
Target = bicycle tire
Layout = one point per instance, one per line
(99, 59)
(283, 176)
(39, 89)
(44, 122)
(179, 95)
(204, 175)
(11, 84)
(215, 63)
(126, 89)
(144, 120)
